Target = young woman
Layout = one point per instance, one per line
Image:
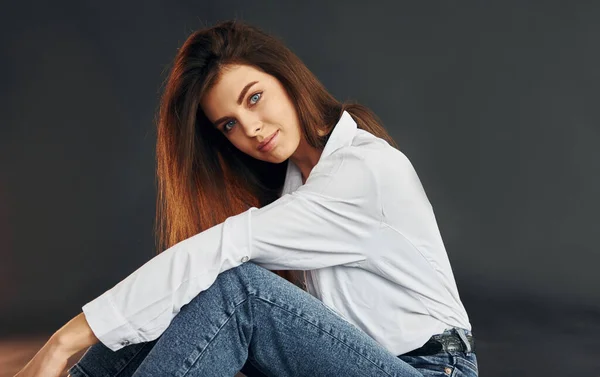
(260, 169)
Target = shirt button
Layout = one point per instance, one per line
(245, 259)
(125, 343)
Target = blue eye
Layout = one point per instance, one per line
(225, 126)
(256, 96)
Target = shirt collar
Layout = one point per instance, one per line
(341, 136)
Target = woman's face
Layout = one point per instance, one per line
(249, 107)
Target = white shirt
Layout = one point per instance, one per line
(361, 228)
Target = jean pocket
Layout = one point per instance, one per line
(467, 365)
(431, 366)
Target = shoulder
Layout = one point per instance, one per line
(380, 155)
(345, 175)
(360, 167)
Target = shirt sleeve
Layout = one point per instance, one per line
(326, 222)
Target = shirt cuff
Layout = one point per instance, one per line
(108, 324)
(237, 237)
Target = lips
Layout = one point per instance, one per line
(266, 141)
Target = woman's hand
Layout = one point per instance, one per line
(50, 361)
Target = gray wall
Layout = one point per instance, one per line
(495, 103)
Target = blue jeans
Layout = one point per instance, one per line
(253, 321)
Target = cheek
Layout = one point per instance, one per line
(294, 134)
(245, 145)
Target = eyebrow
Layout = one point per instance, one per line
(239, 101)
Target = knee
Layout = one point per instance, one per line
(245, 280)
(246, 272)
(244, 276)
(251, 269)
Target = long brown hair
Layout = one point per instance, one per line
(202, 178)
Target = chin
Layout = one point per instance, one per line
(274, 159)
(276, 156)
(279, 160)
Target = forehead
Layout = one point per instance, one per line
(223, 95)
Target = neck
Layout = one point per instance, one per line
(305, 158)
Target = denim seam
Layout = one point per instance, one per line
(333, 336)
(214, 336)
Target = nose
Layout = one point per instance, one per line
(252, 126)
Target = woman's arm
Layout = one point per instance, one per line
(331, 220)
(75, 335)
(52, 358)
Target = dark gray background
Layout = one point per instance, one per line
(495, 103)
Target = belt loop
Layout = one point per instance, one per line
(463, 337)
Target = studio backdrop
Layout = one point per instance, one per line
(495, 104)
